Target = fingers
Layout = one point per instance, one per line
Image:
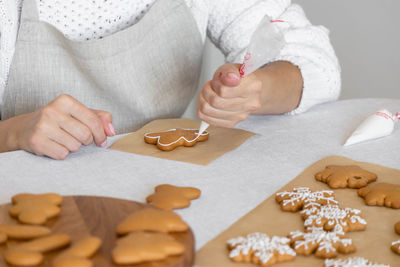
(76, 129)
(218, 117)
(106, 119)
(85, 115)
(43, 146)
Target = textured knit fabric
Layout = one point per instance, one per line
(228, 23)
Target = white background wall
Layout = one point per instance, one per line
(366, 37)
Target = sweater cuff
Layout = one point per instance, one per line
(319, 85)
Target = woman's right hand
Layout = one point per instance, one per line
(61, 127)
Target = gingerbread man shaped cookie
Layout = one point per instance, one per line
(35, 208)
(170, 139)
(169, 197)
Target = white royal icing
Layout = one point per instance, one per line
(176, 141)
(306, 196)
(334, 215)
(352, 262)
(325, 240)
(263, 247)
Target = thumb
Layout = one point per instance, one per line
(229, 75)
(106, 119)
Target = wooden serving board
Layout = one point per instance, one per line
(373, 243)
(99, 216)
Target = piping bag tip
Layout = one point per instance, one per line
(203, 127)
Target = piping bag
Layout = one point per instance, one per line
(265, 44)
(377, 125)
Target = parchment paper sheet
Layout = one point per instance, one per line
(220, 141)
(373, 244)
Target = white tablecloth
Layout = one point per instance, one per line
(232, 185)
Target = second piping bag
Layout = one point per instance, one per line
(266, 44)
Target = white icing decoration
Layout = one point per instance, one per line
(317, 235)
(334, 215)
(306, 196)
(352, 262)
(180, 138)
(263, 247)
(395, 242)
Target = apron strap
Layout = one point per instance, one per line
(29, 10)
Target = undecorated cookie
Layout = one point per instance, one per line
(381, 194)
(397, 228)
(140, 247)
(151, 219)
(22, 232)
(31, 253)
(261, 249)
(79, 253)
(35, 209)
(323, 244)
(302, 197)
(345, 176)
(169, 197)
(170, 139)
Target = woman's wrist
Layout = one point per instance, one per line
(9, 134)
(282, 85)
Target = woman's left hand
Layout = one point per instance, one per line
(228, 99)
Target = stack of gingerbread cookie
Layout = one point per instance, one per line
(32, 211)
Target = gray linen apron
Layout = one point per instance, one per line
(147, 71)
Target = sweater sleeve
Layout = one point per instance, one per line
(232, 23)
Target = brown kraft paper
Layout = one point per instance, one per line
(373, 243)
(220, 141)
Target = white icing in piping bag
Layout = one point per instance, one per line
(377, 125)
(265, 45)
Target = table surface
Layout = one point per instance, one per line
(231, 185)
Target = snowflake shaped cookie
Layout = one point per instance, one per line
(261, 249)
(324, 244)
(345, 176)
(303, 196)
(334, 218)
(352, 262)
(396, 246)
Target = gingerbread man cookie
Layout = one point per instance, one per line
(381, 194)
(169, 197)
(352, 262)
(345, 176)
(170, 139)
(140, 247)
(261, 249)
(35, 208)
(324, 244)
(30, 253)
(303, 196)
(334, 218)
(78, 255)
(151, 219)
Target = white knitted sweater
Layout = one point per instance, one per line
(228, 23)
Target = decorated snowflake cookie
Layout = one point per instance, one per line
(324, 244)
(261, 249)
(303, 196)
(334, 218)
(396, 246)
(352, 262)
